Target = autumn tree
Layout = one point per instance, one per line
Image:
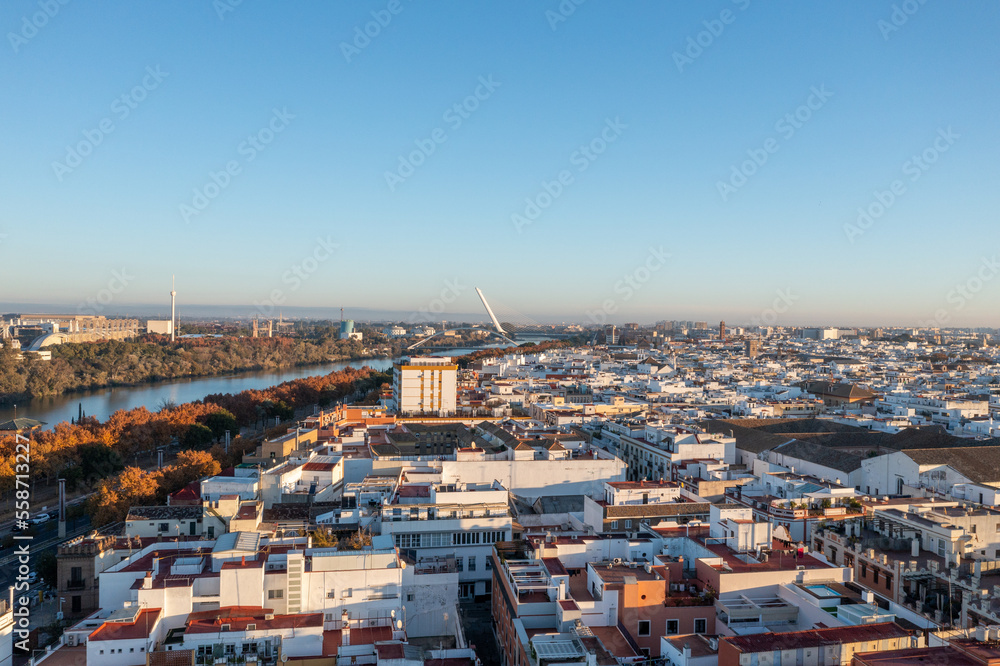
(322, 538)
(116, 495)
(190, 466)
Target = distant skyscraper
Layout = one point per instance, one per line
(753, 348)
(722, 330)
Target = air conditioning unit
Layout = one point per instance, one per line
(617, 560)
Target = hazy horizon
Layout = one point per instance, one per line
(584, 162)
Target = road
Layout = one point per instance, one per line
(46, 539)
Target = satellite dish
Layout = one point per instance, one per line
(284, 658)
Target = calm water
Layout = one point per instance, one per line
(102, 403)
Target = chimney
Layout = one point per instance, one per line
(687, 652)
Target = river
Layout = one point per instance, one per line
(101, 403)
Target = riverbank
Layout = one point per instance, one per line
(92, 366)
(101, 403)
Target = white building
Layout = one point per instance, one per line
(425, 385)
(7, 628)
(452, 526)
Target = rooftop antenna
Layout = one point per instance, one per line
(173, 300)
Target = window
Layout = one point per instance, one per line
(102, 651)
(409, 596)
(460, 564)
(346, 592)
(131, 650)
(673, 627)
(489, 564)
(275, 594)
(973, 529)
(700, 625)
(644, 627)
(472, 563)
(614, 524)
(164, 527)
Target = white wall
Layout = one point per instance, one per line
(882, 472)
(534, 478)
(433, 610)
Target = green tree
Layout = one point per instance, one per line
(221, 421)
(47, 568)
(198, 436)
(282, 410)
(98, 461)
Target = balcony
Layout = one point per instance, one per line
(76, 583)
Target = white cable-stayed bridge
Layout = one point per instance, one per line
(506, 324)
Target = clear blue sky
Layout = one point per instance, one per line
(655, 186)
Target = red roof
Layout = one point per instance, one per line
(390, 651)
(415, 491)
(318, 467)
(124, 631)
(297, 621)
(366, 636)
(793, 640)
(190, 492)
(554, 566)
